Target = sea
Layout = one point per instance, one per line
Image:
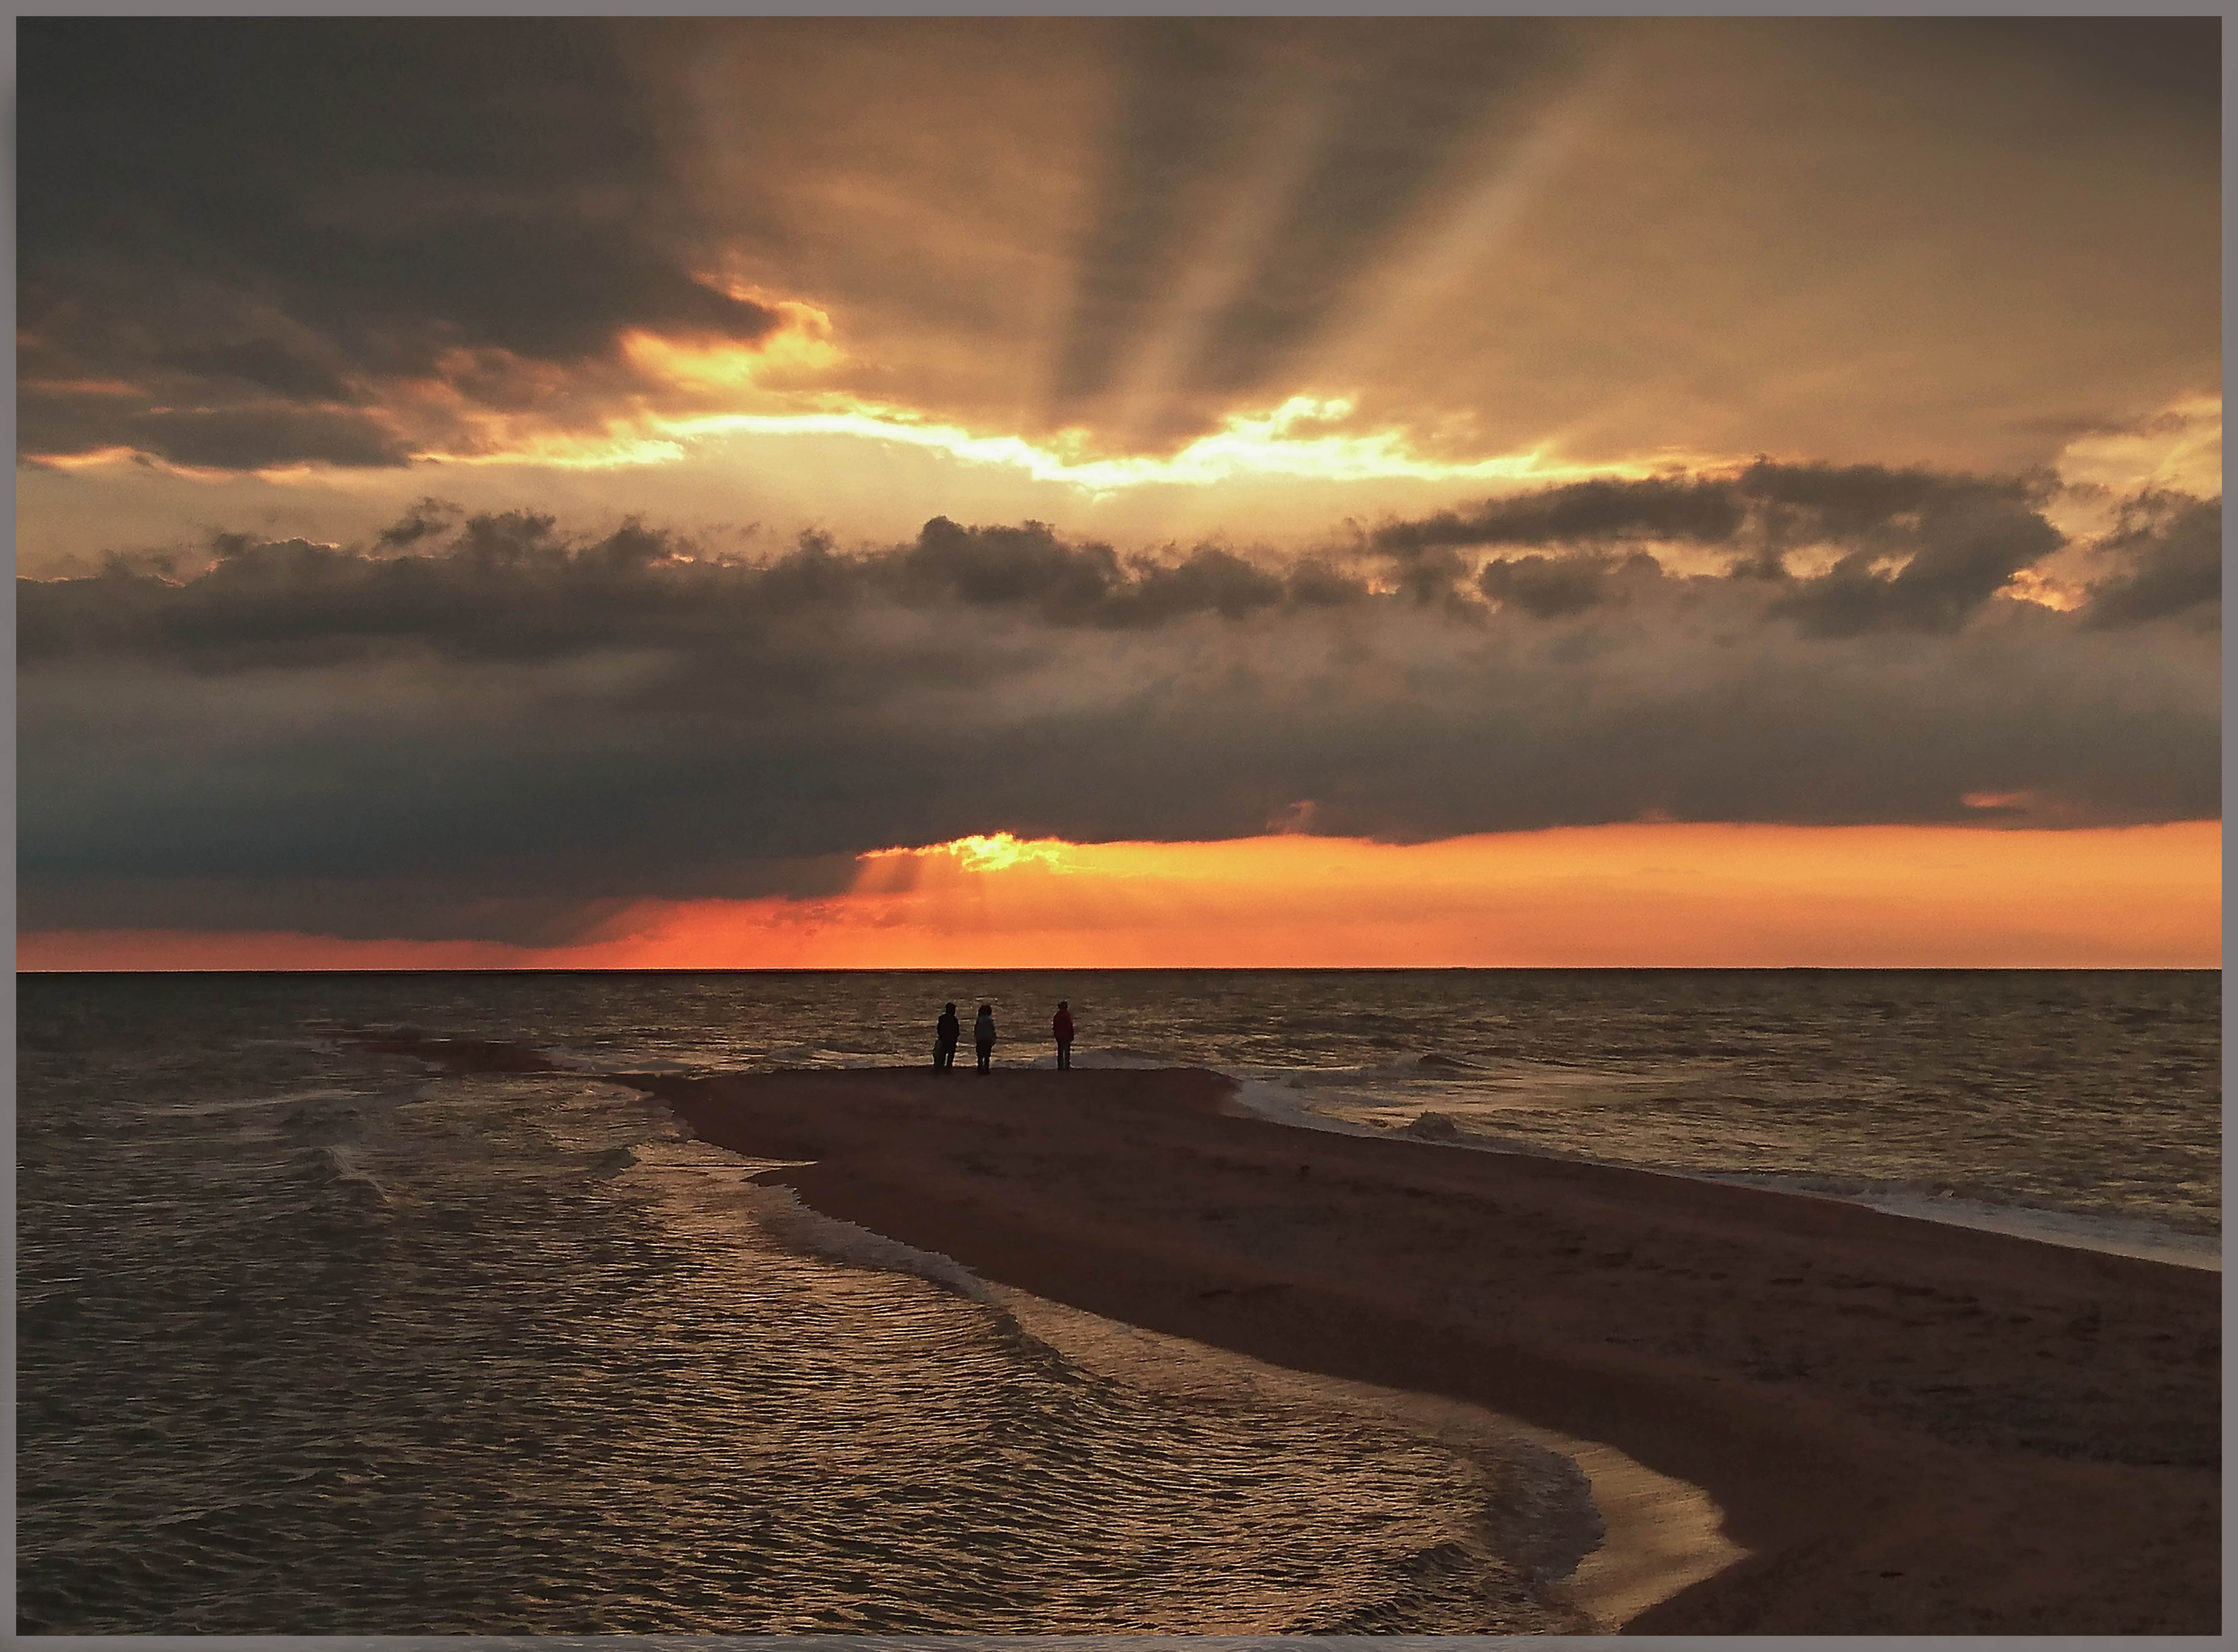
(315, 1339)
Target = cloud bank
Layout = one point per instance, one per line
(489, 726)
(255, 242)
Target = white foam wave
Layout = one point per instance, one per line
(2121, 1236)
(336, 1168)
(719, 1182)
(1279, 1103)
(167, 1109)
(781, 1212)
(606, 1066)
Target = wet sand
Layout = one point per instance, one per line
(1909, 1428)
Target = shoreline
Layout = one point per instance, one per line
(1659, 1535)
(1908, 1427)
(2145, 1240)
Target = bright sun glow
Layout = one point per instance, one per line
(1644, 896)
(1290, 441)
(802, 345)
(1281, 442)
(992, 853)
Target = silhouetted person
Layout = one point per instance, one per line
(945, 1032)
(1061, 1024)
(982, 1035)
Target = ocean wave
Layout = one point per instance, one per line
(1992, 1210)
(783, 1216)
(1964, 1205)
(576, 1060)
(1279, 1103)
(2120, 1236)
(719, 1182)
(614, 1161)
(1121, 1055)
(335, 1170)
(314, 1122)
(1491, 1074)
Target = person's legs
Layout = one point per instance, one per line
(1063, 1054)
(985, 1051)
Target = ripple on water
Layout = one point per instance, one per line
(570, 1374)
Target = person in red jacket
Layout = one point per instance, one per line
(1061, 1024)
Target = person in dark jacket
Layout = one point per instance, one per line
(945, 1032)
(1061, 1024)
(982, 1035)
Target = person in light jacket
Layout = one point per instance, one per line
(1061, 1024)
(982, 1035)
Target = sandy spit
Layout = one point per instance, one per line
(1899, 1427)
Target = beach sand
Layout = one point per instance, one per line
(1900, 1427)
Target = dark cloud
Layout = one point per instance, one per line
(1916, 549)
(494, 727)
(514, 587)
(427, 517)
(1844, 500)
(1091, 584)
(224, 210)
(261, 364)
(1704, 511)
(547, 902)
(1003, 565)
(2171, 549)
(1550, 587)
(2174, 62)
(2068, 427)
(1959, 556)
(245, 439)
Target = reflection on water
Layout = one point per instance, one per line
(311, 1341)
(383, 1353)
(2090, 1092)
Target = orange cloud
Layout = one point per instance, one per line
(1638, 896)
(801, 346)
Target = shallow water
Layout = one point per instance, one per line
(2085, 1093)
(313, 1340)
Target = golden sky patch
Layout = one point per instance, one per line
(1665, 896)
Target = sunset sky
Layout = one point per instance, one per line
(729, 493)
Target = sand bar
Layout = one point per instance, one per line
(1911, 1428)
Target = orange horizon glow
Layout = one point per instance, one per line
(1642, 896)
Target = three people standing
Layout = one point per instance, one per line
(947, 1032)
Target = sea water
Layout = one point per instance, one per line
(312, 1339)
